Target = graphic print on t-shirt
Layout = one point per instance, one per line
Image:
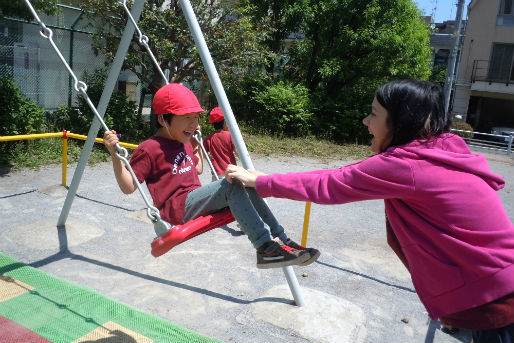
(179, 163)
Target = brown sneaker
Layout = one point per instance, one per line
(274, 255)
(314, 253)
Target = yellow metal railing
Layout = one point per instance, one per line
(306, 218)
(64, 135)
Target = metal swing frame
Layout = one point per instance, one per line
(99, 111)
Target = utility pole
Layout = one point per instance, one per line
(453, 56)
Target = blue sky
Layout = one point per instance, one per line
(445, 9)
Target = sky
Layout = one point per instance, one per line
(444, 9)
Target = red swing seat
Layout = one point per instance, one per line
(181, 233)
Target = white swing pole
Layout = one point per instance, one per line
(230, 119)
(114, 72)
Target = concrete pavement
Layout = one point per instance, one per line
(358, 291)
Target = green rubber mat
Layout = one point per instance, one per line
(58, 311)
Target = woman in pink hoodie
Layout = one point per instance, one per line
(444, 218)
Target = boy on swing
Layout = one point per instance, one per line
(169, 163)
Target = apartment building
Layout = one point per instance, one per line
(484, 90)
(442, 41)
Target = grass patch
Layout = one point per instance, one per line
(41, 152)
(310, 147)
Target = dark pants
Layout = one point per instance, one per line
(501, 335)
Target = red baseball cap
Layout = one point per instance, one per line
(177, 99)
(216, 115)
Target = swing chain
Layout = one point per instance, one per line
(143, 40)
(160, 226)
(152, 215)
(197, 135)
(48, 34)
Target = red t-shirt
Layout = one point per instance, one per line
(220, 146)
(168, 168)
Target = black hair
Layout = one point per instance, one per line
(167, 117)
(415, 108)
(219, 124)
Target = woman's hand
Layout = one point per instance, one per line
(247, 177)
(110, 140)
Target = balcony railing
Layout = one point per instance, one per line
(481, 72)
(487, 141)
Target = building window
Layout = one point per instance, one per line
(441, 56)
(501, 65)
(506, 14)
(507, 7)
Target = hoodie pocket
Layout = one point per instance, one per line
(430, 275)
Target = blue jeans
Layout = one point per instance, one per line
(248, 208)
(501, 335)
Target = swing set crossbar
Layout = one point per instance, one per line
(181, 233)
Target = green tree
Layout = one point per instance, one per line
(289, 106)
(438, 74)
(279, 18)
(19, 9)
(20, 115)
(120, 114)
(371, 39)
(350, 48)
(234, 44)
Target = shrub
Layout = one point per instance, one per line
(459, 125)
(438, 74)
(283, 108)
(241, 93)
(70, 119)
(120, 114)
(19, 114)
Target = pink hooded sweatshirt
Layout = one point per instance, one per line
(443, 207)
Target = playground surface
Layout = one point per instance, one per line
(98, 273)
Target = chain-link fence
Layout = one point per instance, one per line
(33, 64)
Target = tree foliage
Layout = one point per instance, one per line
(346, 49)
(438, 74)
(19, 9)
(120, 114)
(232, 43)
(283, 108)
(19, 115)
(315, 62)
(279, 18)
